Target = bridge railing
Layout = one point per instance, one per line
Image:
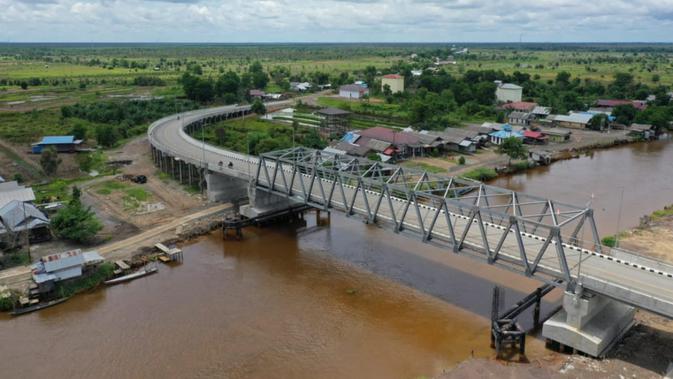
(460, 211)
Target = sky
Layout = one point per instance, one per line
(240, 21)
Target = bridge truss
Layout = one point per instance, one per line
(435, 207)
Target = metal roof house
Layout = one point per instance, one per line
(10, 191)
(506, 132)
(573, 120)
(17, 217)
(353, 91)
(63, 266)
(508, 92)
(62, 144)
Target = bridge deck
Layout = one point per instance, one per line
(542, 249)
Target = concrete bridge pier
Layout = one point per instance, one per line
(224, 188)
(262, 203)
(589, 323)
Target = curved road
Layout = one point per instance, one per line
(633, 280)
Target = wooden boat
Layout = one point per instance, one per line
(37, 307)
(135, 275)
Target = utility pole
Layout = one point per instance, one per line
(619, 216)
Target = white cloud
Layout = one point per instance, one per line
(336, 20)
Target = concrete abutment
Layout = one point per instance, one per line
(589, 323)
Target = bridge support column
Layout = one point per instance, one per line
(263, 203)
(225, 188)
(589, 323)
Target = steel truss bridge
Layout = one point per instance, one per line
(528, 234)
(531, 235)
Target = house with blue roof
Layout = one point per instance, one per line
(505, 132)
(62, 144)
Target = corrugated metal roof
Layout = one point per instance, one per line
(10, 186)
(92, 257)
(333, 111)
(510, 86)
(378, 145)
(18, 216)
(57, 140)
(21, 194)
(61, 261)
(576, 118)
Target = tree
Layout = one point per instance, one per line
(106, 135)
(79, 131)
(598, 122)
(563, 79)
(75, 222)
(624, 114)
(513, 147)
(258, 107)
(49, 161)
(386, 90)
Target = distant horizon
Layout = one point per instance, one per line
(336, 21)
(333, 43)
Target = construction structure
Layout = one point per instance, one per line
(334, 122)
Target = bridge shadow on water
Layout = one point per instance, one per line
(456, 279)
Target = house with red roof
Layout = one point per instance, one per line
(611, 103)
(394, 82)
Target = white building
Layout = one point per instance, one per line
(353, 91)
(394, 82)
(508, 92)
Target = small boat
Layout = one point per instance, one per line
(135, 275)
(37, 307)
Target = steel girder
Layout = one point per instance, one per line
(456, 210)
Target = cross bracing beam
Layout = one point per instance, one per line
(460, 211)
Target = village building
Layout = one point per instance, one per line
(464, 140)
(521, 106)
(256, 94)
(353, 91)
(55, 268)
(541, 112)
(508, 92)
(17, 218)
(643, 131)
(405, 144)
(11, 191)
(334, 122)
(62, 144)
(498, 137)
(534, 138)
(572, 121)
(520, 118)
(394, 82)
(611, 103)
(300, 86)
(557, 135)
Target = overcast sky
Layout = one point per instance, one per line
(336, 21)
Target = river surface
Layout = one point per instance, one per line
(641, 174)
(348, 300)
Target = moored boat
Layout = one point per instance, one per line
(135, 275)
(37, 307)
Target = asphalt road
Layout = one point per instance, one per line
(628, 279)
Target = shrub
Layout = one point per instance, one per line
(481, 174)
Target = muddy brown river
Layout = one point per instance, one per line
(345, 301)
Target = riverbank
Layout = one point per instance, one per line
(645, 352)
(487, 164)
(179, 230)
